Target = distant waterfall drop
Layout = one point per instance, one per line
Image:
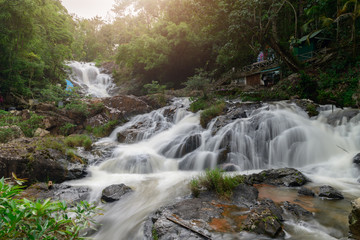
(91, 82)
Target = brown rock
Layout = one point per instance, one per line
(354, 220)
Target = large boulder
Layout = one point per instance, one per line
(354, 220)
(31, 159)
(339, 116)
(115, 192)
(266, 219)
(306, 192)
(297, 211)
(330, 192)
(196, 214)
(60, 192)
(356, 159)
(245, 194)
(288, 177)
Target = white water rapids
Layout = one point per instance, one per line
(91, 82)
(168, 147)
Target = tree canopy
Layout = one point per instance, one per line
(164, 40)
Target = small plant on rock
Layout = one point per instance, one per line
(216, 181)
(78, 141)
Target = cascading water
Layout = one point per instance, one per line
(164, 149)
(91, 82)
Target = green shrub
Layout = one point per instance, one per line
(154, 87)
(216, 181)
(97, 107)
(3, 112)
(210, 113)
(78, 107)
(53, 93)
(311, 109)
(67, 128)
(78, 141)
(52, 143)
(41, 219)
(104, 130)
(29, 126)
(8, 120)
(5, 133)
(200, 104)
(200, 81)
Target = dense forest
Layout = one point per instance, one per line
(167, 41)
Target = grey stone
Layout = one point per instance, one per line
(115, 192)
(330, 192)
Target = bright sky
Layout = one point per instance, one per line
(88, 8)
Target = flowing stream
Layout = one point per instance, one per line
(166, 148)
(91, 82)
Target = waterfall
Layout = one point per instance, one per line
(159, 152)
(91, 82)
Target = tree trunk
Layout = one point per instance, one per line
(286, 55)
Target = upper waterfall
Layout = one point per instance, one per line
(91, 82)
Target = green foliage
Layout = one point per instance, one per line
(34, 43)
(40, 219)
(200, 81)
(200, 104)
(155, 87)
(5, 134)
(308, 87)
(97, 107)
(53, 93)
(3, 112)
(311, 109)
(211, 112)
(67, 128)
(78, 141)
(154, 234)
(216, 181)
(28, 126)
(52, 143)
(78, 107)
(104, 130)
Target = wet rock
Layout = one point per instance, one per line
(354, 220)
(12, 132)
(356, 159)
(60, 192)
(191, 160)
(265, 218)
(128, 136)
(229, 167)
(330, 192)
(190, 144)
(123, 107)
(28, 158)
(97, 120)
(235, 111)
(71, 194)
(306, 192)
(340, 116)
(115, 192)
(245, 194)
(196, 213)
(296, 210)
(288, 177)
(41, 132)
